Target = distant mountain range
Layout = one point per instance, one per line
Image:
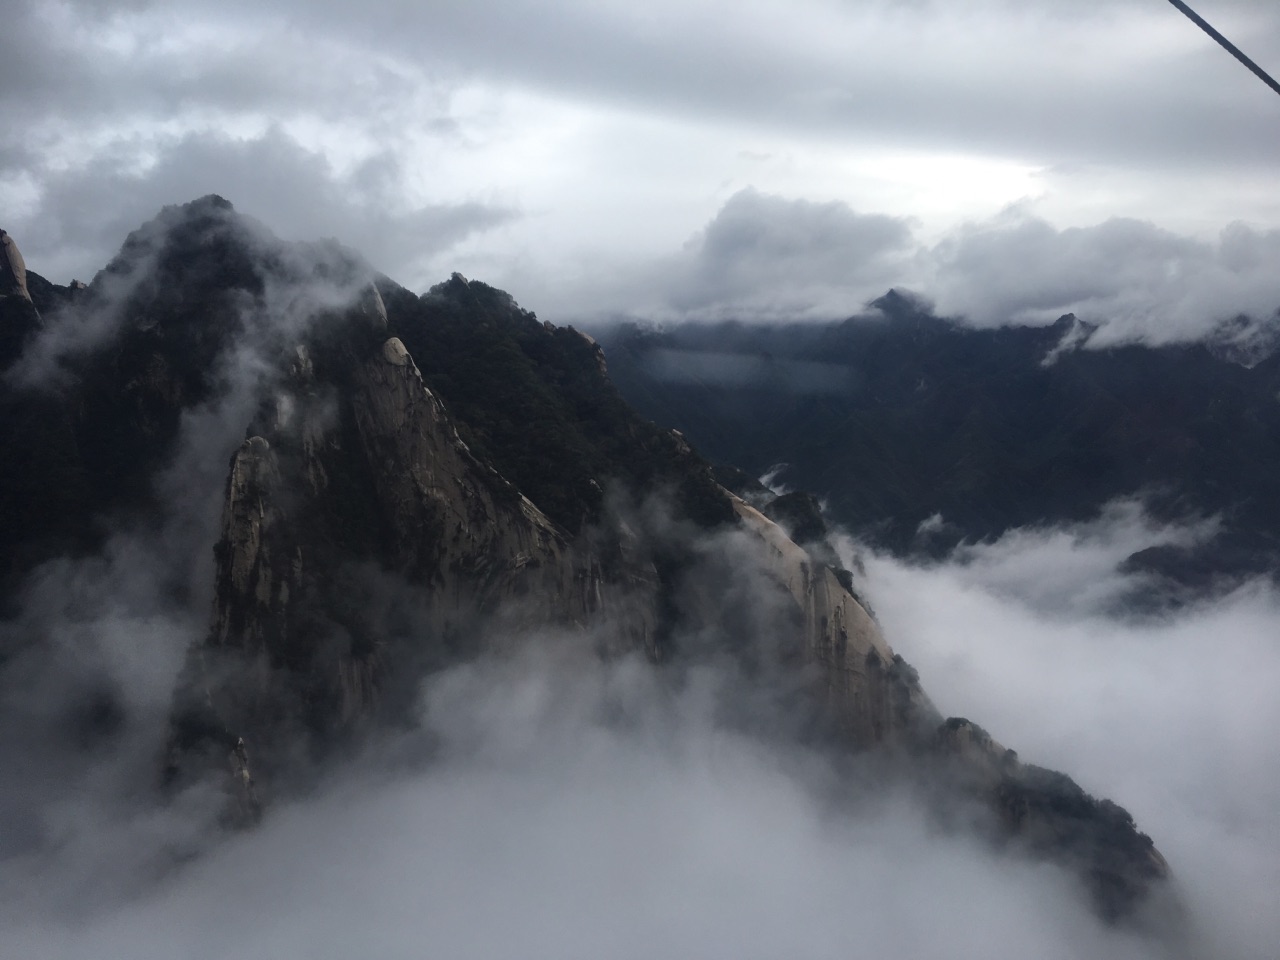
(919, 432)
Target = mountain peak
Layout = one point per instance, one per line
(210, 201)
(901, 303)
(422, 476)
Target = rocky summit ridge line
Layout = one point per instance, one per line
(413, 481)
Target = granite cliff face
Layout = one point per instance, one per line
(415, 481)
(353, 491)
(871, 693)
(13, 269)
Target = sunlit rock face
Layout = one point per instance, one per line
(872, 694)
(412, 482)
(13, 270)
(19, 318)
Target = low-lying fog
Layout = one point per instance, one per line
(573, 809)
(1175, 719)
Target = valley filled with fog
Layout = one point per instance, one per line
(548, 803)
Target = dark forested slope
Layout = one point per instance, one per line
(903, 416)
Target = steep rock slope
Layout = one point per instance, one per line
(414, 481)
(355, 502)
(871, 692)
(13, 269)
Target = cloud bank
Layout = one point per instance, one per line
(765, 257)
(547, 803)
(1172, 718)
(769, 256)
(576, 809)
(1137, 281)
(548, 147)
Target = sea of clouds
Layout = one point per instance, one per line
(549, 804)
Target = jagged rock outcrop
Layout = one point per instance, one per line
(357, 472)
(450, 514)
(356, 487)
(41, 479)
(470, 544)
(800, 514)
(422, 479)
(873, 695)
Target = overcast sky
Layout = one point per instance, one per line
(699, 158)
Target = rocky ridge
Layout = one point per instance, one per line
(367, 536)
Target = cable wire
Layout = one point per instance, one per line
(1227, 45)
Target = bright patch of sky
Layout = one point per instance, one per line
(585, 146)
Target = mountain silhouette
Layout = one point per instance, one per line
(367, 486)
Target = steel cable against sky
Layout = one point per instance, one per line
(1227, 45)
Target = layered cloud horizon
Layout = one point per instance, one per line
(1009, 162)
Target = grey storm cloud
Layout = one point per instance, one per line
(1138, 281)
(898, 71)
(88, 209)
(111, 63)
(769, 255)
(277, 104)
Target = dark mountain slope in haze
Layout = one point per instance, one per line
(367, 486)
(897, 418)
(171, 304)
(102, 392)
(530, 397)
